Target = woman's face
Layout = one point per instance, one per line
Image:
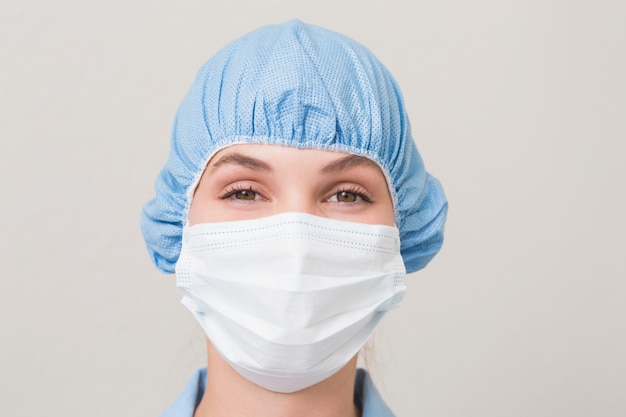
(249, 181)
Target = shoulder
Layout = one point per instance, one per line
(367, 397)
(186, 403)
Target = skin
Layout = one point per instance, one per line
(248, 181)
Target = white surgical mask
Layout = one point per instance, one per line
(288, 300)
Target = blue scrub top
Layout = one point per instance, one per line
(366, 397)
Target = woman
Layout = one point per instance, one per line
(292, 205)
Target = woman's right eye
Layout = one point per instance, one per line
(239, 193)
(245, 195)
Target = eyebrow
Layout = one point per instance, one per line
(346, 162)
(338, 165)
(242, 160)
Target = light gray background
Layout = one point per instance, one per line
(518, 107)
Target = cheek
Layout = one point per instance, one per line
(197, 212)
(202, 207)
(386, 214)
(205, 210)
(385, 211)
(391, 217)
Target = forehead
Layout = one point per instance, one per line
(271, 153)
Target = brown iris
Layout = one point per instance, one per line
(245, 195)
(346, 197)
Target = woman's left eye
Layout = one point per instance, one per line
(349, 196)
(346, 197)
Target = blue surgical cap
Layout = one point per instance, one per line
(296, 85)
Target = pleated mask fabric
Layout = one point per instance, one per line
(298, 85)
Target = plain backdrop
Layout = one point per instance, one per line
(518, 107)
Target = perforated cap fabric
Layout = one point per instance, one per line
(296, 85)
